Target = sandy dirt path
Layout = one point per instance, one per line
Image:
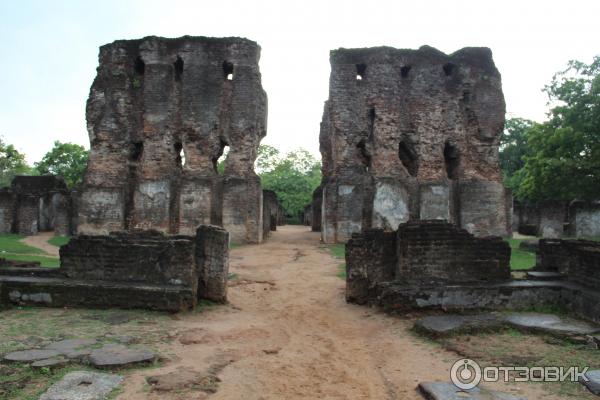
(41, 242)
(289, 334)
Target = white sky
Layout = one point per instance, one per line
(49, 51)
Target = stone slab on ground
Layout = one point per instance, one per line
(441, 325)
(117, 355)
(447, 391)
(83, 385)
(73, 348)
(545, 275)
(593, 382)
(50, 362)
(30, 355)
(549, 323)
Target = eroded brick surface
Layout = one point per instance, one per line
(412, 134)
(160, 114)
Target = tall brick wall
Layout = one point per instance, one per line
(317, 206)
(160, 114)
(412, 134)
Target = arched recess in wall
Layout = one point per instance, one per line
(451, 160)
(408, 157)
(219, 160)
(363, 154)
(179, 154)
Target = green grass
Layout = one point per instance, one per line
(59, 240)
(13, 249)
(519, 259)
(338, 251)
(48, 262)
(10, 243)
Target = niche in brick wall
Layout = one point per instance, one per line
(361, 69)
(452, 160)
(408, 157)
(228, 70)
(219, 160)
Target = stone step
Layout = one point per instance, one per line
(64, 292)
(546, 275)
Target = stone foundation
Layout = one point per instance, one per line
(422, 253)
(435, 265)
(142, 269)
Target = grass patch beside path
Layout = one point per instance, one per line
(338, 251)
(520, 259)
(13, 249)
(59, 240)
(11, 243)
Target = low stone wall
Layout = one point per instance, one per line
(141, 257)
(422, 253)
(435, 251)
(140, 269)
(578, 259)
(370, 260)
(212, 262)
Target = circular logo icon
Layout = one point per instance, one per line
(465, 374)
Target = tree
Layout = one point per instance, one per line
(67, 160)
(563, 161)
(293, 177)
(11, 163)
(513, 149)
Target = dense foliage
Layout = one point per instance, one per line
(11, 163)
(293, 176)
(560, 158)
(67, 160)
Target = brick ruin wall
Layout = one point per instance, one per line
(36, 203)
(425, 253)
(555, 219)
(578, 259)
(160, 114)
(412, 134)
(271, 210)
(317, 206)
(199, 263)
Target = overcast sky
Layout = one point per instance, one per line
(49, 51)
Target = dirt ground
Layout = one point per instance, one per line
(41, 242)
(289, 334)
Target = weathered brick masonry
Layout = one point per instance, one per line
(160, 114)
(422, 254)
(140, 269)
(412, 134)
(578, 259)
(36, 203)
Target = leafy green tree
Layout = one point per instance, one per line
(293, 177)
(513, 149)
(564, 153)
(11, 163)
(67, 160)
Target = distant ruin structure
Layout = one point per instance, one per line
(36, 203)
(160, 114)
(412, 135)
